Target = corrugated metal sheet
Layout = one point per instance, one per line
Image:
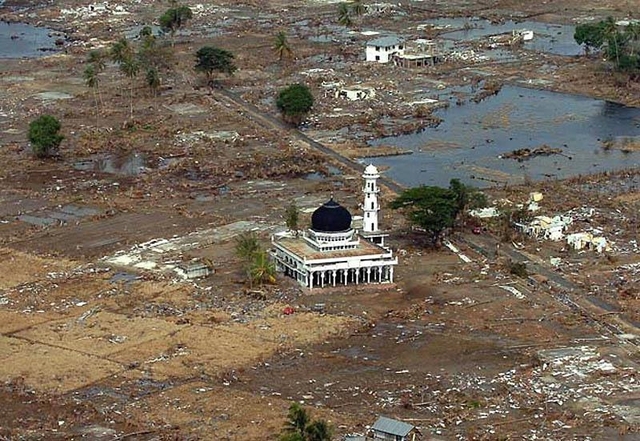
(393, 427)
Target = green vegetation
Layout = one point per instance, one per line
(300, 427)
(436, 209)
(257, 264)
(212, 59)
(44, 136)
(293, 218)
(281, 46)
(344, 15)
(295, 102)
(174, 19)
(619, 44)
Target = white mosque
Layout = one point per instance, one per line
(334, 251)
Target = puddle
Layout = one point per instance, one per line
(124, 277)
(516, 118)
(319, 176)
(128, 165)
(549, 38)
(20, 40)
(59, 216)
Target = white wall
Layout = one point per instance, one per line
(382, 55)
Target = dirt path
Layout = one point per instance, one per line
(269, 122)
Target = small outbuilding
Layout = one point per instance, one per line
(389, 429)
(382, 49)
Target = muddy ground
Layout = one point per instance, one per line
(463, 349)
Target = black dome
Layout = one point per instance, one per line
(331, 217)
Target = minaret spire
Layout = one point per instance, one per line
(371, 207)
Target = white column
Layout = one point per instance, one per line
(310, 276)
(368, 274)
(322, 273)
(333, 277)
(356, 274)
(345, 275)
(391, 273)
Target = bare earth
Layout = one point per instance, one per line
(97, 345)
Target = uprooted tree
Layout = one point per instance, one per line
(44, 136)
(295, 102)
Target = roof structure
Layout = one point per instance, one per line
(392, 427)
(385, 41)
(331, 217)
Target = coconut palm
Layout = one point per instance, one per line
(344, 15)
(91, 79)
(130, 67)
(246, 246)
(358, 8)
(262, 269)
(281, 46)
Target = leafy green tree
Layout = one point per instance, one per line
(344, 15)
(466, 197)
(175, 18)
(281, 46)
(433, 209)
(211, 59)
(293, 218)
(44, 136)
(153, 80)
(621, 47)
(590, 35)
(295, 102)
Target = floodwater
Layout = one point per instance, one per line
(20, 40)
(467, 145)
(550, 38)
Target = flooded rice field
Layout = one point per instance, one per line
(572, 132)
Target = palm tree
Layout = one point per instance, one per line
(357, 7)
(246, 246)
(344, 15)
(91, 79)
(96, 59)
(281, 46)
(318, 430)
(298, 418)
(121, 51)
(130, 67)
(262, 269)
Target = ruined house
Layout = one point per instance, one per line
(393, 430)
(382, 49)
